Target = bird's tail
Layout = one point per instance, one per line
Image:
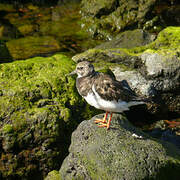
(142, 99)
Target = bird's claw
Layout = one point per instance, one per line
(100, 121)
(104, 125)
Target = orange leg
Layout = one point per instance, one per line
(108, 123)
(102, 120)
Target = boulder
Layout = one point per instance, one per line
(38, 112)
(152, 70)
(105, 18)
(122, 152)
(137, 37)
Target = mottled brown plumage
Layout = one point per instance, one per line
(111, 89)
(107, 87)
(103, 92)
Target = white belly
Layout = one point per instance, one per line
(111, 106)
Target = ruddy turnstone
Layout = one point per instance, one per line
(103, 92)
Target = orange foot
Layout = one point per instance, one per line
(106, 124)
(102, 121)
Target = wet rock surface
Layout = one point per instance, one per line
(167, 131)
(29, 30)
(129, 39)
(104, 18)
(31, 46)
(96, 153)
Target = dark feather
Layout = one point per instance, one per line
(107, 87)
(110, 89)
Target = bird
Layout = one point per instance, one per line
(104, 92)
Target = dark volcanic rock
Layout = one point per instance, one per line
(129, 39)
(105, 18)
(96, 153)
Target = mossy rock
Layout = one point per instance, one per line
(53, 175)
(122, 152)
(39, 109)
(106, 18)
(31, 46)
(128, 39)
(167, 44)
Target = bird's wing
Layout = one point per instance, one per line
(109, 89)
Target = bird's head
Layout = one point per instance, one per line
(83, 69)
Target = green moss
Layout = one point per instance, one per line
(26, 29)
(42, 108)
(7, 128)
(167, 43)
(66, 114)
(53, 175)
(169, 37)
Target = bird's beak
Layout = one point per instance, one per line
(72, 73)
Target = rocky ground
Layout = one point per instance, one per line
(123, 152)
(40, 108)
